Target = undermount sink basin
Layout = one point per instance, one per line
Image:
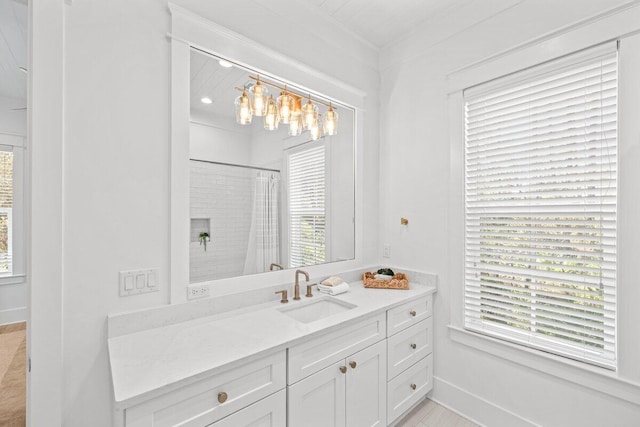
(316, 310)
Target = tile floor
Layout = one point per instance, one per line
(430, 414)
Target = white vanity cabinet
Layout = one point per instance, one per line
(410, 355)
(367, 370)
(339, 378)
(211, 399)
(350, 392)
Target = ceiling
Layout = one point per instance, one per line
(210, 79)
(13, 49)
(382, 22)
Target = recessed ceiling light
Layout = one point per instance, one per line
(225, 64)
(206, 100)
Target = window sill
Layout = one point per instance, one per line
(597, 379)
(12, 280)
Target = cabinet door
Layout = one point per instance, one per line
(268, 412)
(367, 387)
(319, 400)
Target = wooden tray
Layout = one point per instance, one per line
(399, 281)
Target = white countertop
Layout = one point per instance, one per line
(148, 363)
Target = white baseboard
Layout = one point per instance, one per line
(13, 315)
(474, 407)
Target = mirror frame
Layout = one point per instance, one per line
(191, 30)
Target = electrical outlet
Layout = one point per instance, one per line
(197, 291)
(386, 251)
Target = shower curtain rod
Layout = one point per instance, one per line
(235, 165)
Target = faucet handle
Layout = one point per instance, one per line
(309, 294)
(284, 296)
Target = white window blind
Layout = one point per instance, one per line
(540, 208)
(307, 219)
(6, 212)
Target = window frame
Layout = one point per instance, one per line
(16, 144)
(546, 342)
(621, 26)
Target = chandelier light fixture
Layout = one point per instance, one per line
(243, 109)
(287, 109)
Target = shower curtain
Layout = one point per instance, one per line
(264, 237)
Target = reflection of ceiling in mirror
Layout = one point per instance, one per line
(210, 79)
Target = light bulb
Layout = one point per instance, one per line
(331, 122)
(271, 118)
(285, 105)
(295, 125)
(309, 113)
(243, 109)
(260, 97)
(314, 130)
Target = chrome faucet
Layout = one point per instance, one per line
(296, 288)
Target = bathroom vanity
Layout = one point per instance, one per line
(358, 359)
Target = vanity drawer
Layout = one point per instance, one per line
(409, 387)
(408, 346)
(213, 398)
(318, 353)
(268, 412)
(408, 314)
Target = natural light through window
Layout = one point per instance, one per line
(540, 208)
(306, 201)
(6, 212)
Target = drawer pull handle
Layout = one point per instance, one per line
(343, 369)
(222, 397)
(353, 365)
(413, 386)
(413, 346)
(413, 313)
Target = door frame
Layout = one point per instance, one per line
(45, 221)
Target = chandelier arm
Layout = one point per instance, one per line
(290, 92)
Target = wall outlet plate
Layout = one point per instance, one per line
(386, 250)
(197, 291)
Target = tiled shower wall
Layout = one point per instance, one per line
(223, 195)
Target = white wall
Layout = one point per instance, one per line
(415, 166)
(341, 214)
(116, 160)
(13, 303)
(13, 119)
(219, 142)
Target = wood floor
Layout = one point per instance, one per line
(430, 414)
(13, 375)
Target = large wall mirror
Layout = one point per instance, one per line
(270, 189)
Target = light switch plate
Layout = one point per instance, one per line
(135, 282)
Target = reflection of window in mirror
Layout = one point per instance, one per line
(306, 200)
